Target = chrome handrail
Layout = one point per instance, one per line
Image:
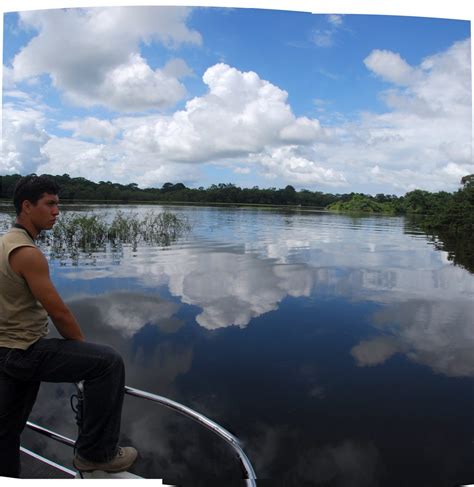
(50, 434)
(250, 476)
(249, 472)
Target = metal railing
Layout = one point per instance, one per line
(247, 469)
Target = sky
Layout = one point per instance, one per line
(332, 102)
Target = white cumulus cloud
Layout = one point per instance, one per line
(93, 55)
(290, 163)
(91, 127)
(109, 162)
(390, 66)
(23, 137)
(240, 118)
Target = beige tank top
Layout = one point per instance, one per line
(23, 320)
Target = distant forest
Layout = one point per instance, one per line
(447, 217)
(81, 189)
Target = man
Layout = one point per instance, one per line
(27, 297)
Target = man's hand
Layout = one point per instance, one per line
(31, 264)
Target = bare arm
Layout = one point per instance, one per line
(31, 264)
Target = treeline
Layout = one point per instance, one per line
(452, 211)
(414, 202)
(75, 189)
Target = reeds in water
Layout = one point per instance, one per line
(85, 233)
(159, 229)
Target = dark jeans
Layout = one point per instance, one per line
(56, 360)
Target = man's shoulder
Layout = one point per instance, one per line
(28, 260)
(17, 236)
(29, 253)
(16, 242)
(14, 233)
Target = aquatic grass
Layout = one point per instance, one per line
(86, 231)
(160, 229)
(77, 234)
(125, 228)
(164, 227)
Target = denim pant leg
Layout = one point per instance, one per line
(16, 400)
(102, 370)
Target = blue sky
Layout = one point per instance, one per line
(328, 102)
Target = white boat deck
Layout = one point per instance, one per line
(34, 466)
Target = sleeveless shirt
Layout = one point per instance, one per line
(23, 320)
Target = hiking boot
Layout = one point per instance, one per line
(124, 459)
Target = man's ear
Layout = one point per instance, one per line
(26, 206)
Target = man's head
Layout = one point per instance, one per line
(31, 188)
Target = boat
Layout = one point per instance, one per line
(37, 466)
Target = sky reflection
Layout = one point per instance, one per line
(439, 334)
(233, 283)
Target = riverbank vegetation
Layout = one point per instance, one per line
(448, 218)
(451, 211)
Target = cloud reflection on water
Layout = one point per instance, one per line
(439, 334)
(128, 312)
(231, 288)
(427, 308)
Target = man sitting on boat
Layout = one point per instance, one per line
(27, 297)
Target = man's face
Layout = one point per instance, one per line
(43, 214)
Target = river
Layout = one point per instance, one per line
(340, 350)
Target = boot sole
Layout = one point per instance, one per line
(80, 468)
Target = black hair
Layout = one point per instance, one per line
(31, 188)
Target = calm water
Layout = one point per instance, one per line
(340, 350)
